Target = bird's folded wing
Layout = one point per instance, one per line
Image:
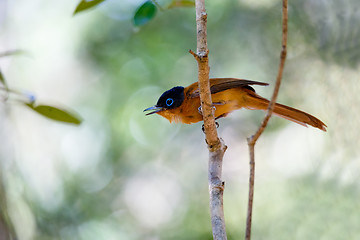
(222, 84)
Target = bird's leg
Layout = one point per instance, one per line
(214, 104)
(223, 115)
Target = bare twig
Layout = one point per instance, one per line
(216, 146)
(5, 89)
(252, 140)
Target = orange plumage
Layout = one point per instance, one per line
(228, 94)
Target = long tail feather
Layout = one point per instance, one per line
(254, 101)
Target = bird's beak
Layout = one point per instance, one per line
(155, 108)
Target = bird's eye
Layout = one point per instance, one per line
(169, 102)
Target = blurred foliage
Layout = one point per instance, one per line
(85, 5)
(12, 52)
(181, 3)
(2, 79)
(144, 13)
(331, 28)
(28, 100)
(121, 175)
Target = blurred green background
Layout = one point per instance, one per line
(121, 175)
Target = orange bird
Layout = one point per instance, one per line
(181, 104)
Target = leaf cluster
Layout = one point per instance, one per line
(59, 114)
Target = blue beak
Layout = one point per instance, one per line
(155, 108)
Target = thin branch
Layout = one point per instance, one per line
(5, 89)
(24, 98)
(252, 140)
(216, 146)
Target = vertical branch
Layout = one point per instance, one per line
(252, 140)
(203, 74)
(216, 146)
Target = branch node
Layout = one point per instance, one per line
(194, 54)
(204, 16)
(218, 145)
(203, 55)
(216, 182)
(215, 146)
(250, 140)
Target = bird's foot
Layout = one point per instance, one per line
(200, 111)
(214, 104)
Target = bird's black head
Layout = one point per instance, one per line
(170, 99)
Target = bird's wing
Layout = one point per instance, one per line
(222, 84)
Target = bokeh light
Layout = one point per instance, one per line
(124, 175)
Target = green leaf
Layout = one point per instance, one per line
(181, 3)
(84, 5)
(55, 113)
(144, 13)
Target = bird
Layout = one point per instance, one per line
(182, 104)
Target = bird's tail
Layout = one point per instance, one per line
(254, 101)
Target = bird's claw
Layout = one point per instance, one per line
(214, 104)
(200, 111)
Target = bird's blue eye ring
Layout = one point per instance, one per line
(169, 102)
